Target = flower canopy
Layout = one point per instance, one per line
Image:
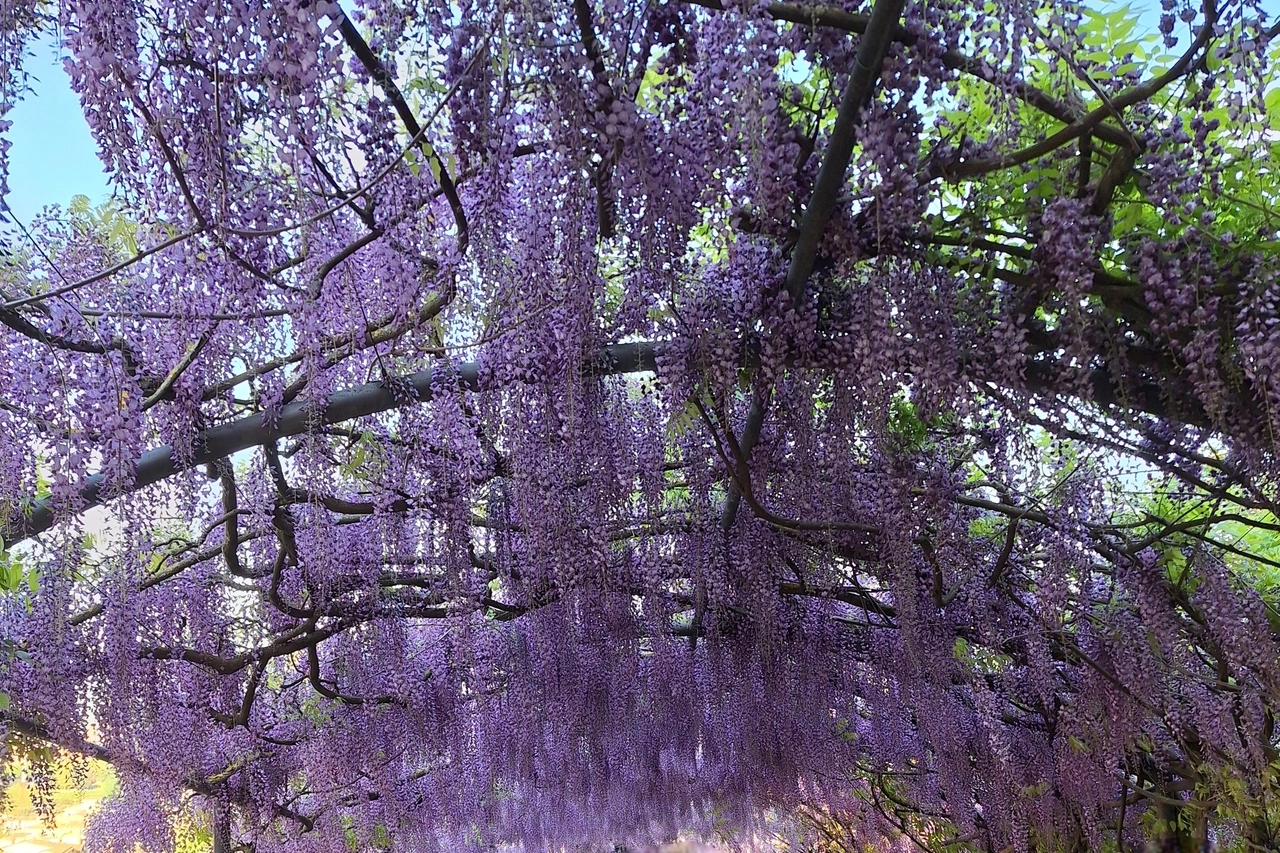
(585, 422)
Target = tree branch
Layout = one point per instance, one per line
(378, 72)
(872, 48)
(296, 419)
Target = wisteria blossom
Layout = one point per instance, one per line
(567, 424)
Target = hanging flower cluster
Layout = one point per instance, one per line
(592, 422)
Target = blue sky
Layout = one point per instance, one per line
(53, 156)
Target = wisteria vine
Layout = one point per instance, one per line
(594, 422)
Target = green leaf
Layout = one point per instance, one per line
(905, 424)
(12, 576)
(682, 420)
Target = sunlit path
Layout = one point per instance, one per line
(31, 835)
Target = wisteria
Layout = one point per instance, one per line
(592, 423)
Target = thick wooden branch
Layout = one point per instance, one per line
(25, 327)
(602, 177)
(872, 48)
(212, 787)
(299, 418)
(839, 19)
(1092, 121)
(294, 419)
(378, 72)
